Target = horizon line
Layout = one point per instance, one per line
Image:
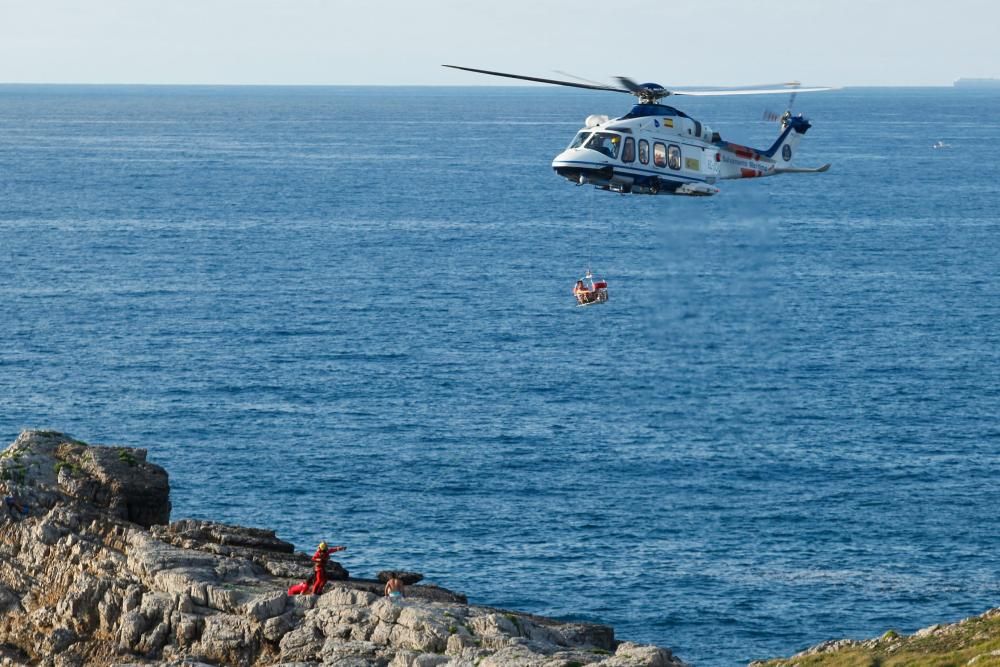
(382, 85)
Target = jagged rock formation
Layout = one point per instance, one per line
(95, 575)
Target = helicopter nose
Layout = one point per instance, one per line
(581, 155)
(565, 156)
(566, 163)
(582, 166)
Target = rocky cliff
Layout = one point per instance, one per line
(92, 573)
(971, 641)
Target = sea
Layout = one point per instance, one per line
(345, 314)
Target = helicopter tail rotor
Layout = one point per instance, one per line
(774, 117)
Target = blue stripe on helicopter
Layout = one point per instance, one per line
(797, 123)
(624, 170)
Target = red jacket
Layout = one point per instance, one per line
(321, 557)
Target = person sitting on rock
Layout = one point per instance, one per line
(319, 560)
(394, 587)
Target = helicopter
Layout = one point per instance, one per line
(657, 149)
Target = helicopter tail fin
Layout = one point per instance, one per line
(793, 128)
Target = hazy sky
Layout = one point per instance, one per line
(697, 42)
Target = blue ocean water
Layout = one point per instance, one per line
(345, 313)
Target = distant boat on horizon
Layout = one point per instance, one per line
(977, 83)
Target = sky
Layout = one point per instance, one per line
(404, 42)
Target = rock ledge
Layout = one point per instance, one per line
(95, 574)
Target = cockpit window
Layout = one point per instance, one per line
(605, 142)
(580, 138)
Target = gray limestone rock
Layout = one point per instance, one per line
(229, 639)
(94, 574)
(408, 578)
(10, 602)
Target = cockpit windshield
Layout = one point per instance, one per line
(605, 142)
(580, 137)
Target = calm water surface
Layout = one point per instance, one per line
(345, 313)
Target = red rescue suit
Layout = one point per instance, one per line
(299, 589)
(319, 559)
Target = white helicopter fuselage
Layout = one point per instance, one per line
(657, 149)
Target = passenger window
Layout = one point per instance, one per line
(659, 154)
(674, 157)
(643, 151)
(628, 150)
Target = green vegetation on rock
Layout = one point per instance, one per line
(973, 641)
(72, 468)
(125, 456)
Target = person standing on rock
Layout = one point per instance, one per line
(319, 560)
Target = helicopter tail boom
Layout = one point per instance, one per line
(745, 162)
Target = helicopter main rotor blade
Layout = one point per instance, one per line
(786, 85)
(631, 85)
(765, 89)
(578, 78)
(540, 80)
(750, 91)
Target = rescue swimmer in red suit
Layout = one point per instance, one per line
(319, 560)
